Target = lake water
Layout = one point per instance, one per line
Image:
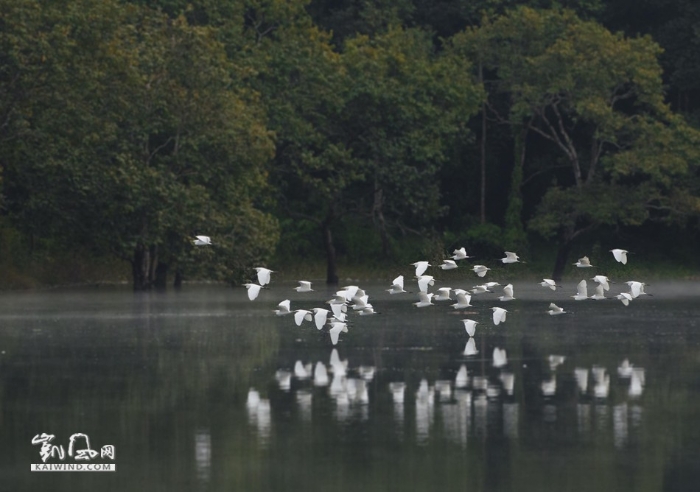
(197, 390)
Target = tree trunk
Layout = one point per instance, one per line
(379, 214)
(177, 283)
(562, 257)
(141, 267)
(482, 203)
(515, 232)
(160, 281)
(331, 266)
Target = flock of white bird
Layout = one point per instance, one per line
(353, 298)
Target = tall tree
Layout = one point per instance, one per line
(140, 138)
(589, 93)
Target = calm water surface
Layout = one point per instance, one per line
(197, 390)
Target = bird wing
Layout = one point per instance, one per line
(508, 289)
(299, 316)
(423, 282)
(263, 275)
(253, 291)
(599, 290)
(421, 267)
(320, 316)
(398, 281)
(582, 288)
(284, 306)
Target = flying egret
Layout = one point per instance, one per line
(361, 303)
(636, 382)
(335, 330)
(283, 308)
(480, 270)
(321, 374)
(480, 289)
(396, 286)
(448, 265)
(263, 275)
(304, 286)
(620, 255)
(583, 262)
(425, 300)
(549, 387)
(582, 291)
(338, 309)
(624, 297)
(511, 258)
(443, 294)
(300, 315)
(470, 326)
(368, 311)
(421, 267)
(202, 241)
(508, 291)
(555, 361)
(548, 282)
(499, 315)
(463, 300)
(424, 281)
(460, 254)
(253, 290)
(349, 291)
(636, 289)
(599, 293)
(602, 280)
(320, 317)
(555, 310)
(624, 370)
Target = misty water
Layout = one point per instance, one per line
(197, 390)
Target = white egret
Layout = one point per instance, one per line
(338, 309)
(304, 286)
(421, 267)
(624, 370)
(425, 300)
(283, 308)
(396, 286)
(499, 315)
(253, 290)
(599, 293)
(361, 303)
(460, 254)
(300, 315)
(202, 241)
(480, 289)
(424, 281)
(321, 374)
(480, 270)
(581, 291)
(636, 288)
(602, 280)
(349, 291)
(508, 291)
(548, 282)
(448, 265)
(320, 317)
(601, 388)
(335, 330)
(443, 294)
(555, 361)
(263, 275)
(368, 311)
(620, 255)
(624, 297)
(463, 300)
(510, 258)
(554, 310)
(583, 262)
(470, 326)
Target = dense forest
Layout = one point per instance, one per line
(352, 130)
